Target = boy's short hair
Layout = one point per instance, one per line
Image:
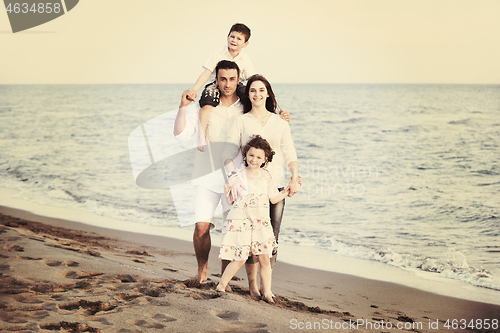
(241, 28)
(226, 64)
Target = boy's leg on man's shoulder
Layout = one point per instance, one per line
(240, 90)
(210, 95)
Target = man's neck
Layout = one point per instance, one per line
(228, 100)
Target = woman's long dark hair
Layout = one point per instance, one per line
(271, 103)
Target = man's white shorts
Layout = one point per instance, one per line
(206, 202)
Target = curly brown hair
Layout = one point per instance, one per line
(258, 142)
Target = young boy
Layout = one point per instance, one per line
(237, 39)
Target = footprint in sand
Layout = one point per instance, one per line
(52, 263)
(27, 258)
(14, 248)
(144, 324)
(103, 321)
(27, 300)
(71, 263)
(232, 318)
(161, 317)
(127, 297)
(226, 315)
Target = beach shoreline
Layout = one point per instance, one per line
(160, 266)
(304, 256)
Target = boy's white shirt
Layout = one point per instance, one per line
(242, 60)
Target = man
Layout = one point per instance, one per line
(210, 184)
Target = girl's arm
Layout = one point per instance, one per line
(282, 195)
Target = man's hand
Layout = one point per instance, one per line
(237, 187)
(285, 115)
(188, 96)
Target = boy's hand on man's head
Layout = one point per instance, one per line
(190, 95)
(285, 115)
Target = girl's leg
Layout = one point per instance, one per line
(229, 272)
(265, 277)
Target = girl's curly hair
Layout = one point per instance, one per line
(258, 142)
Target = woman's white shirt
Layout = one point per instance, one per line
(276, 131)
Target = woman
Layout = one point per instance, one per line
(260, 118)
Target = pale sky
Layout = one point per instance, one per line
(313, 41)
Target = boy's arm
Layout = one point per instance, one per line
(191, 92)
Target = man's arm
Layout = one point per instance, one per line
(180, 120)
(204, 120)
(285, 115)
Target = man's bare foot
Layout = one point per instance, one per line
(196, 281)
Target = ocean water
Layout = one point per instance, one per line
(406, 175)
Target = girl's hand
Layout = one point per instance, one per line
(287, 190)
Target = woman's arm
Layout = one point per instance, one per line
(294, 184)
(290, 156)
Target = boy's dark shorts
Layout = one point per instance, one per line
(211, 94)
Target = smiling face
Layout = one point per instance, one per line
(236, 41)
(255, 158)
(227, 81)
(258, 93)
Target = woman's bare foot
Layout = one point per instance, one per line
(254, 292)
(268, 298)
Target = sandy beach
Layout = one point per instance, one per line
(59, 275)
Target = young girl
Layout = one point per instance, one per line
(247, 229)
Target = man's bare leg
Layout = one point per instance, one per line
(202, 244)
(252, 270)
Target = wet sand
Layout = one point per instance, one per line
(59, 275)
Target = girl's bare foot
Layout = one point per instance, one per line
(220, 288)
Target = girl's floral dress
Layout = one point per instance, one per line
(247, 230)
